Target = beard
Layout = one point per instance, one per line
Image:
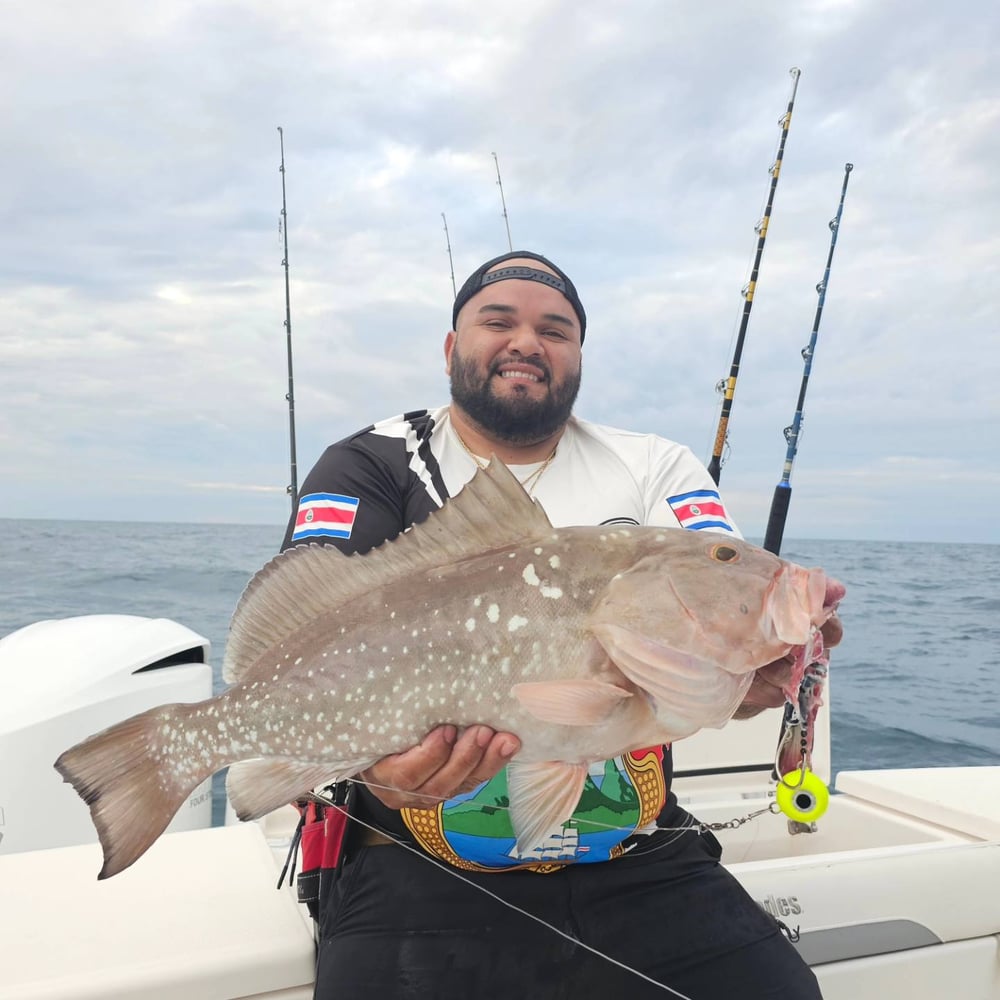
(516, 420)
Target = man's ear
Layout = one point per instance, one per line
(449, 346)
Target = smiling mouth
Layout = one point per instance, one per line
(520, 376)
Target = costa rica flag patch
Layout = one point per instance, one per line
(329, 515)
(700, 509)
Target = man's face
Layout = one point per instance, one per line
(514, 361)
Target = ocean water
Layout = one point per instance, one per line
(915, 682)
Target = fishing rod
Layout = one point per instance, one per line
(292, 489)
(729, 386)
(451, 263)
(510, 245)
(801, 793)
(783, 491)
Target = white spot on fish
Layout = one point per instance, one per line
(530, 576)
(553, 592)
(516, 622)
(477, 602)
(493, 613)
(470, 625)
(554, 562)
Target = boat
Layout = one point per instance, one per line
(894, 891)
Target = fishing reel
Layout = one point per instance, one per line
(802, 796)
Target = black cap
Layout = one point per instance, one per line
(480, 278)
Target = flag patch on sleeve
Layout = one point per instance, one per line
(700, 509)
(327, 515)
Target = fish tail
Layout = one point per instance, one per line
(132, 788)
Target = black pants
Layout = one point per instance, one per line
(396, 926)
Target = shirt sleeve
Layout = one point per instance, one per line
(350, 499)
(681, 494)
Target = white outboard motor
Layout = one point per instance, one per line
(64, 680)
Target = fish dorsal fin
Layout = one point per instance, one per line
(491, 512)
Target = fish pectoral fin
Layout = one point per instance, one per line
(258, 787)
(542, 797)
(570, 703)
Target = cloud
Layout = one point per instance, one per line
(142, 340)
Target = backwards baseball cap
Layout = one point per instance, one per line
(484, 276)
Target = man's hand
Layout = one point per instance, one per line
(766, 688)
(441, 766)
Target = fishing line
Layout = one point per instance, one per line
(517, 909)
(696, 825)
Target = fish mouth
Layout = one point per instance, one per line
(799, 601)
(833, 595)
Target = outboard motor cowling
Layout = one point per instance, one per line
(63, 680)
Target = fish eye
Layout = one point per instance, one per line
(724, 553)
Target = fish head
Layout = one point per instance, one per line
(694, 615)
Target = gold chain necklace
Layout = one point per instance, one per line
(529, 482)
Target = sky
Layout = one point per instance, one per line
(143, 365)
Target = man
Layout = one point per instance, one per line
(645, 892)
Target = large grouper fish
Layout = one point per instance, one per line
(586, 642)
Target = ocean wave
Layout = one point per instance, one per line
(860, 745)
